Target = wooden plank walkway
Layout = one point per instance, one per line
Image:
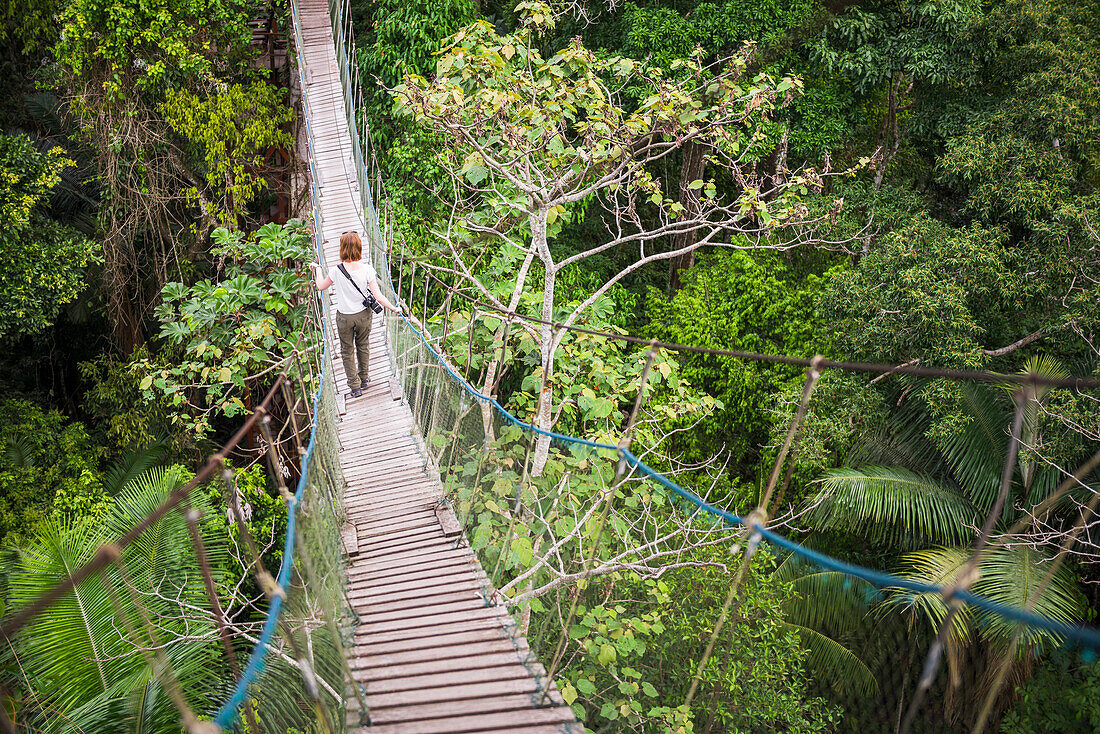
(433, 656)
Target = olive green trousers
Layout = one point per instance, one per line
(354, 332)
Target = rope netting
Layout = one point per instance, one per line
(654, 601)
(603, 542)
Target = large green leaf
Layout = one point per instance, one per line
(70, 652)
(976, 452)
(828, 601)
(1011, 576)
(891, 505)
(131, 466)
(835, 664)
(79, 661)
(937, 567)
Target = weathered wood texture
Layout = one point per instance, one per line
(432, 653)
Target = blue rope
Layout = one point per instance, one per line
(228, 712)
(1082, 635)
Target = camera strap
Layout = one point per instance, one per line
(366, 298)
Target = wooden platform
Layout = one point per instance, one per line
(433, 655)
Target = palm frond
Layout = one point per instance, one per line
(976, 452)
(902, 442)
(891, 505)
(78, 656)
(1013, 577)
(131, 466)
(72, 650)
(20, 451)
(834, 664)
(1038, 477)
(938, 567)
(831, 602)
(1044, 365)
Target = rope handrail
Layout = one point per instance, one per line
(228, 712)
(878, 368)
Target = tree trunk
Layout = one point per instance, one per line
(488, 387)
(493, 368)
(780, 176)
(544, 413)
(693, 168)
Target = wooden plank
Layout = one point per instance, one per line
(467, 663)
(563, 728)
(425, 563)
(350, 537)
(423, 615)
(413, 519)
(448, 521)
(431, 619)
(426, 579)
(411, 523)
(499, 703)
(425, 591)
(385, 493)
(512, 721)
(411, 608)
(499, 689)
(511, 670)
(378, 541)
(400, 552)
(442, 642)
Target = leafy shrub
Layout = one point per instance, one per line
(48, 465)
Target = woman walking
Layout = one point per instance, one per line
(353, 278)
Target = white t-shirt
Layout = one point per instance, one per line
(348, 300)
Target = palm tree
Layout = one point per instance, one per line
(79, 667)
(923, 500)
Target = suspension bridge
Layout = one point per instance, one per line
(432, 653)
(381, 609)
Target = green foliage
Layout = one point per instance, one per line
(1029, 154)
(49, 467)
(173, 116)
(869, 44)
(230, 130)
(636, 656)
(78, 666)
(266, 518)
(753, 302)
(125, 417)
(398, 38)
(44, 262)
(1027, 157)
(222, 338)
(936, 494)
(829, 610)
(928, 292)
(502, 101)
(28, 25)
(1063, 697)
(129, 45)
(719, 28)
